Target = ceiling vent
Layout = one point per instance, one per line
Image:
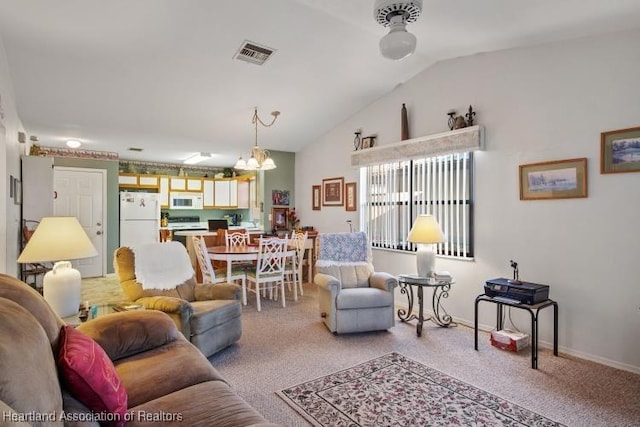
(134, 149)
(253, 53)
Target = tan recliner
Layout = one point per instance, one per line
(352, 296)
(208, 315)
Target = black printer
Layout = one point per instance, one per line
(524, 292)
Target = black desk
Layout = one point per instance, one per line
(440, 290)
(533, 311)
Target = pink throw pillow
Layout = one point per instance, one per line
(89, 375)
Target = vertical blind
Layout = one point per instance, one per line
(397, 192)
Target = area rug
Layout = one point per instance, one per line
(394, 390)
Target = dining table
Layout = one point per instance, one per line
(245, 253)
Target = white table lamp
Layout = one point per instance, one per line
(425, 232)
(56, 239)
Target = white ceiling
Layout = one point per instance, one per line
(160, 74)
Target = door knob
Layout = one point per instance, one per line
(98, 224)
(99, 233)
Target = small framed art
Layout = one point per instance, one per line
(350, 196)
(332, 192)
(315, 197)
(561, 179)
(620, 151)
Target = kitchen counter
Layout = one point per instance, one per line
(187, 233)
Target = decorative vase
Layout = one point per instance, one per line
(404, 132)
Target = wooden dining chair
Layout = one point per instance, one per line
(216, 275)
(269, 270)
(293, 266)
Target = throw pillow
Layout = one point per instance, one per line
(89, 375)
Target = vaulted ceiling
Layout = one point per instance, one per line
(160, 75)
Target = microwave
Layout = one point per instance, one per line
(185, 201)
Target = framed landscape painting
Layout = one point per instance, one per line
(620, 151)
(332, 192)
(561, 179)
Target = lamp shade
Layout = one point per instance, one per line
(425, 230)
(58, 238)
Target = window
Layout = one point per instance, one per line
(395, 193)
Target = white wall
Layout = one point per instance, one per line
(543, 103)
(10, 125)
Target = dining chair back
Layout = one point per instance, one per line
(269, 270)
(293, 267)
(235, 238)
(216, 275)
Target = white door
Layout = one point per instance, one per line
(81, 193)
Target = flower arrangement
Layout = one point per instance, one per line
(294, 221)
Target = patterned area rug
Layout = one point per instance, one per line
(394, 390)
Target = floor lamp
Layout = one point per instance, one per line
(425, 232)
(57, 239)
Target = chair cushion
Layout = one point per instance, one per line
(363, 298)
(350, 275)
(208, 314)
(89, 375)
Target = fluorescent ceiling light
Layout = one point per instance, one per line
(73, 143)
(196, 158)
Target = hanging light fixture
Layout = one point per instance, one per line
(260, 159)
(395, 14)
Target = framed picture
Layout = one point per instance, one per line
(620, 151)
(350, 196)
(561, 179)
(280, 197)
(315, 197)
(279, 218)
(332, 194)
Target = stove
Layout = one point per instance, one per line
(186, 223)
(181, 223)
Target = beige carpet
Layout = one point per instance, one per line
(281, 347)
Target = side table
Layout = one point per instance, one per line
(440, 290)
(533, 310)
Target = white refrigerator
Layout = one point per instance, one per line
(139, 218)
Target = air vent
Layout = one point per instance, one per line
(134, 149)
(253, 53)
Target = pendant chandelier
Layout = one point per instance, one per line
(260, 159)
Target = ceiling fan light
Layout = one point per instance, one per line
(398, 43)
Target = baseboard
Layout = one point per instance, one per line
(543, 344)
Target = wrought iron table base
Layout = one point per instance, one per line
(440, 316)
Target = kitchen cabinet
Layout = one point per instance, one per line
(243, 194)
(177, 183)
(225, 193)
(164, 192)
(185, 184)
(208, 200)
(194, 184)
(131, 180)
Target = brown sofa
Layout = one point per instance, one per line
(166, 377)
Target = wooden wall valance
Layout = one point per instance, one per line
(455, 141)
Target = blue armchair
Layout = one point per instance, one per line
(352, 296)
